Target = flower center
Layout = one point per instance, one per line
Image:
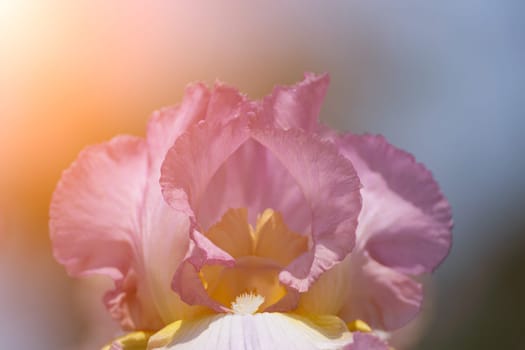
(260, 254)
(247, 304)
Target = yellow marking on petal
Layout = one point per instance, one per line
(203, 280)
(132, 341)
(165, 335)
(233, 233)
(251, 274)
(327, 295)
(260, 255)
(329, 325)
(274, 240)
(271, 238)
(359, 326)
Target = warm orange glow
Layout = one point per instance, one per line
(78, 73)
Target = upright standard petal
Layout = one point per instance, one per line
(165, 238)
(226, 103)
(326, 180)
(166, 124)
(331, 188)
(297, 106)
(195, 158)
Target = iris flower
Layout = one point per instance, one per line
(240, 224)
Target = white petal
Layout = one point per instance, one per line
(261, 331)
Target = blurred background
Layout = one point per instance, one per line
(444, 80)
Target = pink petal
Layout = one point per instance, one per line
(194, 172)
(164, 231)
(187, 282)
(380, 296)
(297, 106)
(219, 105)
(327, 181)
(255, 179)
(331, 188)
(195, 158)
(186, 172)
(166, 235)
(405, 222)
(94, 217)
(366, 341)
(248, 166)
(226, 103)
(115, 185)
(164, 242)
(169, 123)
(93, 209)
